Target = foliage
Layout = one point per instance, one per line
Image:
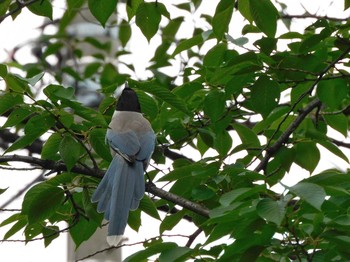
(252, 109)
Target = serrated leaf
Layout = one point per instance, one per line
(124, 33)
(148, 206)
(239, 194)
(222, 143)
(339, 122)
(332, 92)
(57, 92)
(307, 155)
(175, 254)
(191, 42)
(51, 147)
(148, 104)
(170, 221)
(244, 9)
(82, 231)
(260, 10)
(41, 8)
(91, 208)
(150, 251)
(70, 151)
(97, 141)
(162, 93)
(333, 149)
(222, 18)
(9, 100)
(21, 223)
(265, 95)
(102, 10)
(217, 98)
(271, 211)
(131, 7)
(4, 6)
(148, 17)
(16, 117)
(49, 234)
(310, 193)
(35, 127)
(248, 137)
(41, 201)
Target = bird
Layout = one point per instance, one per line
(131, 140)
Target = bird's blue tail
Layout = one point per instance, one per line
(120, 191)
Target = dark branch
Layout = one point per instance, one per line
(20, 5)
(306, 16)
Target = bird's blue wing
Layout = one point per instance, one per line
(126, 142)
(147, 142)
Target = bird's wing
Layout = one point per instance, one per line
(123, 142)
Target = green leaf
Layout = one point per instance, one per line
(222, 18)
(70, 151)
(175, 254)
(333, 92)
(339, 122)
(124, 33)
(239, 194)
(97, 141)
(3, 190)
(91, 208)
(9, 100)
(260, 11)
(265, 95)
(162, 93)
(148, 17)
(150, 251)
(21, 223)
(215, 56)
(36, 126)
(148, 206)
(49, 234)
(248, 137)
(170, 221)
(41, 8)
(223, 142)
(191, 42)
(333, 149)
(244, 9)
(310, 193)
(16, 117)
(57, 92)
(102, 10)
(82, 231)
(217, 98)
(307, 155)
(51, 147)
(131, 7)
(346, 4)
(271, 211)
(41, 201)
(148, 104)
(4, 6)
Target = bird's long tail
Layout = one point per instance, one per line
(120, 190)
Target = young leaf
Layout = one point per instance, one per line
(70, 151)
(310, 193)
(222, 18)
(260, 11)
(102, 10)
(41, 201)
(148, 17)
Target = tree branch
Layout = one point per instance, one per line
(150, 187)
(305, 16)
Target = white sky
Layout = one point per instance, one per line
(23, 29)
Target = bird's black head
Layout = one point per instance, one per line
(128, 101)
